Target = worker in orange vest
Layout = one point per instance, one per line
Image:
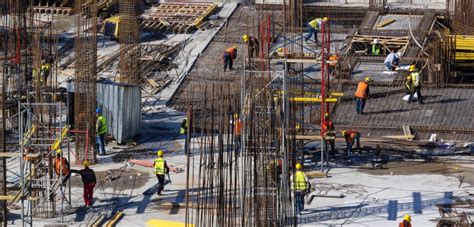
(361, 94)
(237, 130)
(406, 221)
(229, 55)
(351, 136)
(61, 167)
(328, 131)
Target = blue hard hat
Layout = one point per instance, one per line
(98, 110)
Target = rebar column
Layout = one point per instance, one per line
(129, 35)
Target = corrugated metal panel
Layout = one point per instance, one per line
(120, 105)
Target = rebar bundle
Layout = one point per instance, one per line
(129, 35)
(86, 77)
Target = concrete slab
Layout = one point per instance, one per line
(401, 22)
(377, 71)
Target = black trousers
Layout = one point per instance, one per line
(161, 183)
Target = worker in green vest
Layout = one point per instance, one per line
(101, 131)
(300, 185)
(376, 47)
(184, 131)
(160, 169)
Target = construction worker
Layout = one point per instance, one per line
(351, 136)
(361, 94)
(101, 131)
(416, 84)
(392, 60)
(62, 167)
(328, 131)
(44, 71)
(252, 44)
(237, 130)
(313, 28)
(89, 180)
(160, 169)
(184, 131)
(229, 55)
(300, 185)
(406, 221)
(376, 47)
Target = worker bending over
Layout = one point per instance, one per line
(160, 169)
(89, 180)
(351, 136)
(415, 84)
(300, 185)
(230, 54)
(406, 221)
(362, 94)
(313, 28)
(252, 45)
(392, 60)
(62, 167)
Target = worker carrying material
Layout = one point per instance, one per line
(376, 47)
(230, 54)
(362, 94)
(406, 221)
(300, 185)
(415, 85)
(313, 28)
(160, 169)
(62, 167)
(252, 45)
(328, 131)
(351, 136)
(101, 131)
(392, 60)
(89, 180)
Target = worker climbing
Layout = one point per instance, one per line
(313, 28)
(415, 85)
(352, 137)
(160, 169)
(362, 94)
(101, 131)
(252, 45)
(230, 54)
(301, 186)
(406, 221)
(61, 167)
(89, 180)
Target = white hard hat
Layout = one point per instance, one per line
(376, 41)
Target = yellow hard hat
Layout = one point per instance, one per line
(409, 77)
(245, 38)
(298, 166)
(326, 114)
(236, 115)
(280, 49)
(86, 163)
(160, 153)
(407, 218)
(58, 151)
(412, 68)
(325, 19)
(343, 132)
(235, 47)
(367, 79)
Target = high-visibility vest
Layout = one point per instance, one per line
(103, 125)
(184, 128)
(351, 135)
(231, 51)
(159, 166)
(415, 76)
(315, 23)
(361, 91)
(408, 84)
(60, 166)
(299, 183)
(238, 127)
(376, 49)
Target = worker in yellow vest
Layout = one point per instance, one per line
(160, 169)
(300, 185)
(313, 28)
(101, 131)
(361, 94)
(416, 84)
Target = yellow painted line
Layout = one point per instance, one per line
(302, 99)
(162, 223)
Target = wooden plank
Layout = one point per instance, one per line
(12, 197)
